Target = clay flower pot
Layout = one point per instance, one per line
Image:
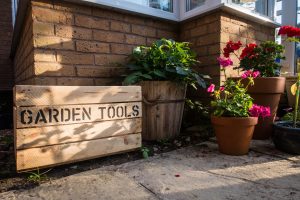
(234, 133)
(266, 92)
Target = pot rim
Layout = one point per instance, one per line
(242, 121)
(278, 125)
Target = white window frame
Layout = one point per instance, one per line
(137, 8)
(179, 9)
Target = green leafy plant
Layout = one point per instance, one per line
(164, 60)
(145, 152)
(232, 100)
(37, 177)
(264, 58)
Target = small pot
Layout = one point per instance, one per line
(234, 133)
(286, 138)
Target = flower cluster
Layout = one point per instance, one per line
(259, 111)
(290, 31)
(250, 73)
(225, 62)
(231, 47)
(249, 51)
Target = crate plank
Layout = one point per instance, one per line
(71, 114)
(28, 95)
(71, 152)
(51, 135)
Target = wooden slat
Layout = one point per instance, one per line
(27, 95)
(51, 135)
(65, 153)
(133, 109)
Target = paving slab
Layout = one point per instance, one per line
(195, 172)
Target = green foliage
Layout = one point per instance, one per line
(266, 59)
(145, 151)
(37, 177)
(233, 101)
(290, 116)
(164, 60)
(198, 106)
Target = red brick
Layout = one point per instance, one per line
(121, 49)
(50, 42)
(75, 81)
(109, 59)
(52, 16)
(89, 46)
(91, 22)
(68, 57)
(134, 39)
(143, 30)
(53, 69)
(108, 36)
(43, 28)
(120, 26)
(73, 32)
(100, 71)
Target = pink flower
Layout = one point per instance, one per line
(211, 88)
(265, 111)
(225, 62)
(259, 111)
(254, 111)
(222, 88)
(246, 74)
(249, 73)
(255, 74)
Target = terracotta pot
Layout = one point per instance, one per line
(163, 104)
(234, 133)
(266, 92)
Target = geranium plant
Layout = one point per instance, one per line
(293, 35)
(264, 58)
(231, 99)
(164, 60)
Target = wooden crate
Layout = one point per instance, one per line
(54, 125)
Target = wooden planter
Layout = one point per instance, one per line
(163, 104)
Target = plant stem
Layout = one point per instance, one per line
(297, 101)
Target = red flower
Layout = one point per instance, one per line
(231, 47)
(248, 51)
(290, 31)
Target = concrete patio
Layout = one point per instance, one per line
(196, 172)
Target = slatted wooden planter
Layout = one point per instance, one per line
(163, 104)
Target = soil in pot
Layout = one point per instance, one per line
(266, 92)
(163, 104)
(234, 133)
(286, 138)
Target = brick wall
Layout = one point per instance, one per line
(209, 35)
(71, 44)
(23, 60)
(6, 71)
(81, 45)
